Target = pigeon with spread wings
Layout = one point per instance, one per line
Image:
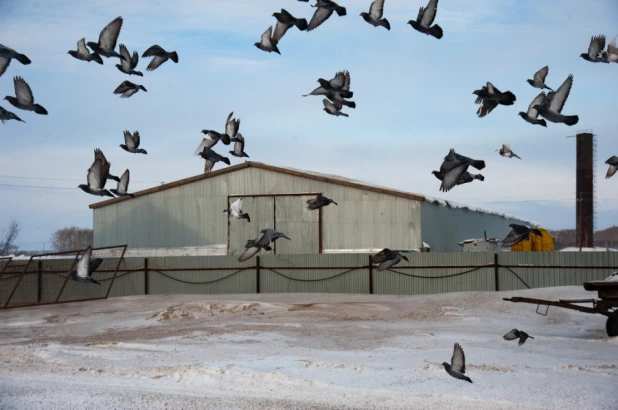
(333, 108)
(7, 54)
(123, 186)
(24, 100)
(97, 176)
(131, 143)
(85, 267)
(506, 151)
(490, 97)
(595, 50)
(613, 166)
(453, 166)
(425, 19)
(376, 12)
(212, 158)
(532, 116)
(263, 241)
(127, 89)
(267, 42)
(325, 9)
(82, 53)
(284, 21)
(239, 146)
(160, 56)
(129, 63)
(318, 202)
(551, 106)
(457, 368)
(386, 259)
(518, 233)
(236, 210)
(517, 334)
(107, 40)
(538, 81)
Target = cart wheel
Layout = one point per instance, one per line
(612, 326)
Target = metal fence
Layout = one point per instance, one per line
(426, 273)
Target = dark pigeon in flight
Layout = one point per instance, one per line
(457, 368)
(24, 100)
(518, 233)
(129, 63)
(239, 146)
(453, 166)
(82, 53)
(490, 97)
(386, 259)
(595, 50)
(551, 106)
(160, 57)
(131, 143)
(374, 17)
(538, 81)
(464, 178)
(97, 176)
(7, 54)
(263, 241)
(107, 40)
(319, 202)
(85, 267)
(6, 115)
(212, 158)
(613, 166)
(425, 19)
(325, 9)
(532, 116)
(267, 42)
(517, 334)
(284, 21)
(127, 89)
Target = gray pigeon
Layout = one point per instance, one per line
(131, 143)
(284, 21)
(127, 89)
(517, 334)
(7, 54)
(374, 17)
(85, 268)
(24, 100)
(340, 83)
(107, 40)
(6, 115)
(267, 42)
(333, 109)
(453, 166)
(123, 186)
(532, 116)
(538, 81)
(98, 156)
(212, 137)
(129, 63)
(464, 178)
(263, 241)
(595, 50)
(82, 53)
(490, 97)
(425, 19)
(457, 368)
(551, 106)
(319, 202)
(386, 259)
(236, 210)
(613, 166)
(97, 176)
(518, 233)
(324, 10)
(160, 57)
(211, 158)
(506, 151)
(239, 146)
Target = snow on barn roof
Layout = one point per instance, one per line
(334, 179)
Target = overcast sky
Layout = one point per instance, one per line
(413, 94)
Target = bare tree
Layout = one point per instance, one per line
(68, 239)
(8, 238)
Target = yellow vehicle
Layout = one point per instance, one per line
(536, 243)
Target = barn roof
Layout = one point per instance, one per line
(333, 179)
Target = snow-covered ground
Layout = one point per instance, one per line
(305, 351)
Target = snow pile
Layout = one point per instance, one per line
(595, 249)
(612, 278)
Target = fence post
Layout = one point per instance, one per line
(39, 281)
(146, 278)
(370, 276)
(496, 272)
(257, 274)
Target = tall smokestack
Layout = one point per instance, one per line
(584, 191)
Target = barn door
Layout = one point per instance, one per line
(300, 224)
(261, 212)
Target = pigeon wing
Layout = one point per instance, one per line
(458, 360)
(126, 63)
(429, 13)
(123, 87)
(513, 238)
(532, 112)
(486, 108)
(236, 206)
(136, 138)
(451, 177)
(280, 30)
(123, 184)
(329, 105)
(84, 263)
(320, 16)
(611, 47)
(128, 140)
(346, 82)
(512, 335)
(377, 9)
(384, 255)
(81, 47)
(153, 51)
(134, 60)
(209, 165)
(155, 63)
(94, 264)
(4, 64)
(266, 36)
(206, 142)
(248, 253)
(239, 143)
(94, 175)
(109, 35)
(232, 126)
(597, 44)
(561, 95)
(338, 81)
(23, 91)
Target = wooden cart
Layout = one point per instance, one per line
(607, 304)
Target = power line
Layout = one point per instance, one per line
(71, 180)
(34, 186)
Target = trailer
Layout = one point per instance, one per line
(607, 304)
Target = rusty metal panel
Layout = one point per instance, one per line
(261, 211)
(299, 223)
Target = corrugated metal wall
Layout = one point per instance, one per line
(443, 227)
(334, 273)
(191, 215)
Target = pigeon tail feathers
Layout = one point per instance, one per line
(39, 109)
(22, 59)
(571, 120)
(436, 31)
(480, 164)
(341, 11)
(174, 56)
(301, 24)
(384, 23)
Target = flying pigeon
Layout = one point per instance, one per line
(453, 166)
(107, 40)
(160, 57)
(98, 156)
(333, 109)
(551, 106)
(267, 42)
(236, 210)
(85, 266)
(123, 185)
(212, 137)
(425, 18)
(464, 178)
(505, 151)
(490, 97)
(263, 241)
(24, 100)
(374, 17)
(337, 99)
(611, 55)
(129, 63)
(532, 116)
(595, 49)
(131, 143)
(82, 53)
(517, 334)
(284, 21)
(538, 80)
(211, 158)
(340, 83)
(613, 166)
(127, 89)
(6, 115)
(518, 234)
(239, 146)
(386, 259)
(457, 368)
(324, 10)
(97, 176)
(319, 202)
(7, 54)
